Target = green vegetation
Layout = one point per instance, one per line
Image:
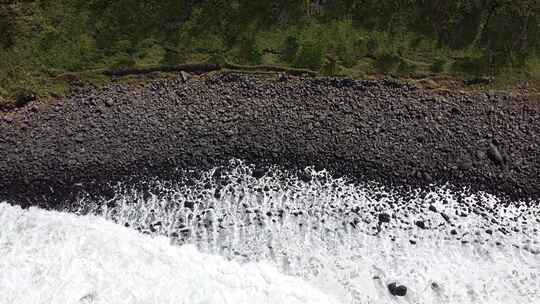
(46, 44)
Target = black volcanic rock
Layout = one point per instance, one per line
(384, 218)
(397, 290)
(420, 224)
(258, 172)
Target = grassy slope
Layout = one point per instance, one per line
(51, 74)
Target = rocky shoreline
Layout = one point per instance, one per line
(384, 131)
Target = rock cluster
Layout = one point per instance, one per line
(381, 130)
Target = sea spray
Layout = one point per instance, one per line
(446, 246)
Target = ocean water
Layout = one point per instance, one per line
(228, 237)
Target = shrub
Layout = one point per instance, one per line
(123, 61)
(23, 96)
(310, 56)
(55, 49)
(345, 55)
(249, 51)
(439, 65)
(174, 57)
(372, 46)
(7, 28)
(472, 65)
(360, 48)
(330, 66)
(416, 42)
(289, 49)
(217, 58)
(387, 62)
(406, 68)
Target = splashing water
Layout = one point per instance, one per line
(347, 240)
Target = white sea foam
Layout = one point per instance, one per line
(49, 257)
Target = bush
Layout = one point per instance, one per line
(329, 68)
(217, 58)
(7, 28)
(345, 55)
(387, 63)
(360, 48)
(23, 96)
(310, 56)
(122, 62)
(372, 46)
(174, 57)
(406, 68)
(249, 51)
(54, 49)
(416, 42)
(289, 49)
(439, 65)
(472, 65)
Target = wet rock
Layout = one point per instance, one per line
(190, 205)
(420, 224)
(397, 290)
(305, 177)
(384, 218)
(445, 217)
(259, 172)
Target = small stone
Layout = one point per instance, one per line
(432, 208)
(185, 76)
(453, 232)
(397, 290)
(282, 77)
(8, 119)
(109, 102)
